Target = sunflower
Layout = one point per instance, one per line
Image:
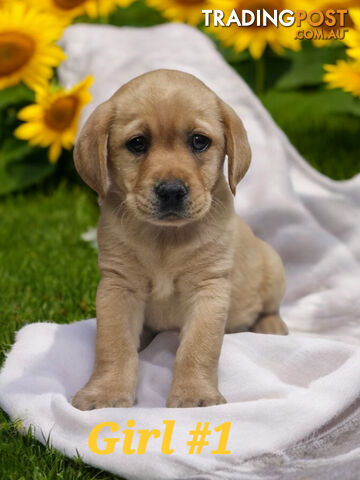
(325, 5)
(352, 38)
(345, 75)
(27, 50)
(74, 8)
(53, 120)
(254, 37)
(188, 11)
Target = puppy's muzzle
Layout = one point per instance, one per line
(171, 197)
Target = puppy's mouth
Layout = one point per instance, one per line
(150, 211)
(170, 218)
(170, 215)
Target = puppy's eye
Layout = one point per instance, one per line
(137, 144)
(199, 143)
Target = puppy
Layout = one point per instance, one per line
(172, 252)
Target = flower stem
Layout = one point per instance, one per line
(104, 19)
(260, 75)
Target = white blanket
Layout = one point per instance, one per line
(292, 401)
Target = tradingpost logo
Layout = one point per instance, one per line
(312, 25)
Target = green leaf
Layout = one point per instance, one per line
(324, 126)
(345, 103)
(138, 14)
(246, 66)
(307, 65)
(16, 95)
(315, 104)
(21, 165)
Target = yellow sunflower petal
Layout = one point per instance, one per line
(27, 130)
(345, 75)
(257, 48)
(31, 112)
(54, 152)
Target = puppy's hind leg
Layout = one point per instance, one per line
(270, 323)
(269, 320)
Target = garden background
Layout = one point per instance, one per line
(47, 271)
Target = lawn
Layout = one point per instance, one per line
(47, 273)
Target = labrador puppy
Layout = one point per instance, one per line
(172, 252)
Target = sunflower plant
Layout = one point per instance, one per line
(27, 49)
(53, 119)
(345, 74)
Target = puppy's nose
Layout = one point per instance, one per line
(171, 193)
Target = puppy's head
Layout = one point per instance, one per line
(160, 143)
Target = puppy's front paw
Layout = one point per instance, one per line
(89, 398)
(187, 398)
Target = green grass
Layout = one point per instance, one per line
(23, 458)
(328, 139)
(47, 273)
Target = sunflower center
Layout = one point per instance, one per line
(68, 4)
(16, 49)
(61, 113)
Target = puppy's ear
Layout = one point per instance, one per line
(90, 153)
(237, 146)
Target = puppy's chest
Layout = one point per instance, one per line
(162, 285)
(162, 272)
(162, 309)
